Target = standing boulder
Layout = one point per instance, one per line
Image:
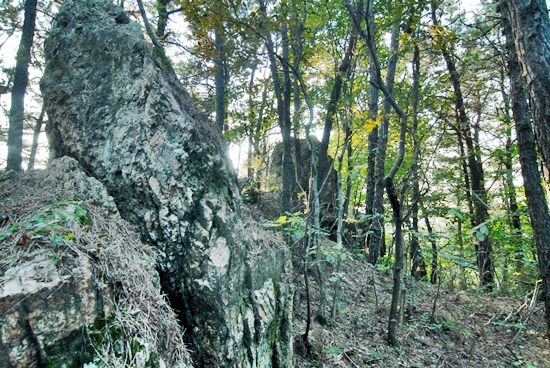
(117, 108)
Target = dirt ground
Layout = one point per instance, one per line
(441, 327)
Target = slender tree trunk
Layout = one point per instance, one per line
(377, 242)
(282, 112)
(35, 136)
(435, 271)
(373, 149)
(484, 248)
(162, 20)
(418, 267)
(511, 197)
(288, 175)
(388, 180)
(398, 265)
(323, 168)
(21, 77)
(339, 234)
(220, 78)
(297, 57)
(534, 192)
(250, 172)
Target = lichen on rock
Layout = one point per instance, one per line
(122, 114)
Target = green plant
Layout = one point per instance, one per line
(385, 263)
(333, 350)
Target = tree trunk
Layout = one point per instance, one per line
(220, 78)
(434, 274)
(534, 192)
(484, 248)
(288, 177)
(373, 148)
(162, 21)
(398, 266)
(322, 167)
(21, 77)
(35, 136)
(377, 245)
(283, 115)
(531, 34)
(418, 267)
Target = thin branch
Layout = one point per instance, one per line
(148, 28)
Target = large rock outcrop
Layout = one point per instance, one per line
(119, 110)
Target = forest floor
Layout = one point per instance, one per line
(442, 327)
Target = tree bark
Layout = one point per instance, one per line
(531, 34)
(322, 166)
(162, 21)
(220, 78)
(418, 266)
(373, 147)
(35, 136)
(283, 115)
(534, 192)
(398, 266)
(484, 248)
(377, 243)
(434, 273)
(21, 78)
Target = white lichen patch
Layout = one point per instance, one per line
(265, 300)
(31, 277)
(155, 186)
(219, 255)
(204, 283)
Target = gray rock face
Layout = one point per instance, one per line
(42, 312)
(122, 114)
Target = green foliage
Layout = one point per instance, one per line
(49, 220)
(293, 225)
(385, 263)
(333, 350)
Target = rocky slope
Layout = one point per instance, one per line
(77, 286)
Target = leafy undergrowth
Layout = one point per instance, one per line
(441, 328)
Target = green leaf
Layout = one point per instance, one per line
(333, 350)
(484, 229)
(480, 235)
(454, 212)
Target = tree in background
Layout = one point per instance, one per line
(20, 80)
